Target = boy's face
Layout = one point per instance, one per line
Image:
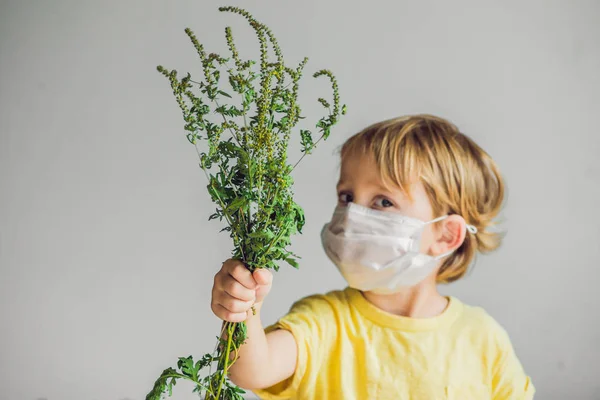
(360, 182)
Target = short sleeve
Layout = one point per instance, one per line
(312, 324)
(509, 380)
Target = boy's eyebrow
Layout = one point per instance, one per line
(380, 186)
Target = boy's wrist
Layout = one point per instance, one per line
(254, 312)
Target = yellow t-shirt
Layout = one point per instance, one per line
(348, 349)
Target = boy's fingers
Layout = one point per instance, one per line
(234, 305)
(241, 274)
(235, 289)
(227, 315)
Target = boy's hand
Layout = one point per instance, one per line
(236, 290)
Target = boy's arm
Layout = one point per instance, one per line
(265, 359)
(509, 380)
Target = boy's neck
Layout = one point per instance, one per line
(421, 301)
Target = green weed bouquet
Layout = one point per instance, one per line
(241, 124)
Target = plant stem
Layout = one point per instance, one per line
(305, 153)
(226, 356)
(275, 239)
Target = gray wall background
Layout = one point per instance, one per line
(106, 254)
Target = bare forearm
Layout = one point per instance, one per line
(253, 355)
(265, 359)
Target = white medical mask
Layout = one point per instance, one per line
(378, 251)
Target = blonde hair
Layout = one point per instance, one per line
(458, 175)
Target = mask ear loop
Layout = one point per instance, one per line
(433, 221)
(472, 229)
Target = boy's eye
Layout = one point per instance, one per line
(345, 198)
(383, 202)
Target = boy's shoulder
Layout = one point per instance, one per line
(335, 299)
(477, 315)
(477, 323)
(316, 312)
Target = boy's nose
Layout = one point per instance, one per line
(364, 201)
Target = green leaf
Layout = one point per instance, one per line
(306, 140)
(215, 216)
(222, 93)
(205, 361)
(163, 383)
(292, 262)
(186, 364)
(237, 204)
(249, 96)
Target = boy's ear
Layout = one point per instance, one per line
(450, 235)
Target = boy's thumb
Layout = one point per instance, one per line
(263, 276)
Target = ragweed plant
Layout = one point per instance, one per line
(241, 130)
